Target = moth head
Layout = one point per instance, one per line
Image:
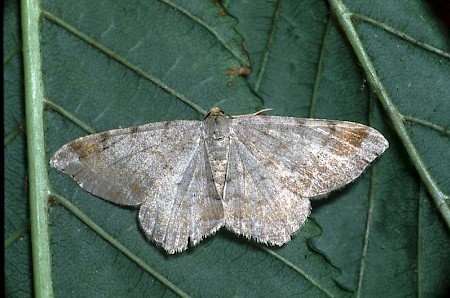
(215, 111)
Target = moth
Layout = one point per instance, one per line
(252, 174)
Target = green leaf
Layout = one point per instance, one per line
(18, 282)
(115, 64)
(374, 229)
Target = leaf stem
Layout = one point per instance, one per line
(285, 261)
(110, 53)
(70, 116)
(17, 234)
(344, 17)
(37, 165)
(95, 227)
(442, 130)
(12, 53)
(368, 230)
(421, 228)
(210, 28)
(269, 46)
(319, 71)
(11, 136)
(401, 35)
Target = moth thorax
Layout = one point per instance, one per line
(217, 141)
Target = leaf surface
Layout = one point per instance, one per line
(108, 65)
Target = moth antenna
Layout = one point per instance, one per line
(260, 112)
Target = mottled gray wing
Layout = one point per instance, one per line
(257, 203)
(159, 166)
(286, 161)
(185, 208)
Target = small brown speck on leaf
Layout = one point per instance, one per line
(239, 70)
